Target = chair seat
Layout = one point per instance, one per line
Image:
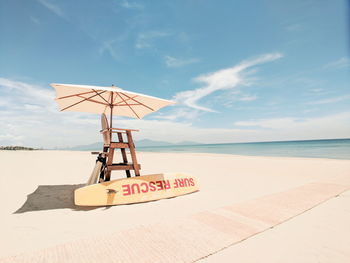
(122, 166)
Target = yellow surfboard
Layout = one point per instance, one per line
(136, 189)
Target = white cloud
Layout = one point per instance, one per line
(11, 140)
(330, 100)
(146, 39)
(293, 128)
(20, 93)
(179, 113)
(341, 63)
(130, 5)
(233, 98)
(52, 7)
(224, 79)
(30, 117)
(171, 131)
(248, 98)
(275, 123)
(173, 62)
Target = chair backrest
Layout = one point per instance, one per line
(106, 132)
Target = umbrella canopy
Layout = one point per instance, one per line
(110, 100)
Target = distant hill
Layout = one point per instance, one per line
(139, 144)
(187, 143)
(17, 148)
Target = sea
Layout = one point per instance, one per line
(330, 149)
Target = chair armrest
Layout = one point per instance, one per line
(102, 131)
(119, 129)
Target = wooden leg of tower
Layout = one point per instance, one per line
(125, 159)
(102, 172)
(133, 153)
(109, 162)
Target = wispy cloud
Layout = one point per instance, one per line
(224, 79)
(179, 113)
(184, 131)
(21, 93)
(248, 98)
(294, 27)
(29, 116)
(13, 139)
(52, 7)
(34, 20)
(232, 98)
(341, 63)
(330, 100)
(146, 39)
(109, 47)
(173, 62)
(130, 5)
(308, 82)
(292, 128)
(317, 90)
(275, 123)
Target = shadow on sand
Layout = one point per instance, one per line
(48, 197)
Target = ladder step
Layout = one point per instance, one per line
(122, 166)
(119, 145)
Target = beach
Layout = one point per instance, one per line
(49, 218)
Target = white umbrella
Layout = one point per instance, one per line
(110, 100)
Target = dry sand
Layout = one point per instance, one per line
(49, 218)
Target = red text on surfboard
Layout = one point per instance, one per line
(185, 182)
(145, 187)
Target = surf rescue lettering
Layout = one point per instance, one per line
(145, 187)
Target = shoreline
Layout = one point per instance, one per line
(253, 156)
(194, 153)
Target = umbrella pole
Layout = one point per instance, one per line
(111, 115)
(111, 118)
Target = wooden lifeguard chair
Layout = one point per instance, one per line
(104, 163)
(109, 147)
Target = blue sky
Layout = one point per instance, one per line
(238, 70)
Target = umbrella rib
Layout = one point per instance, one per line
(109, 105)
(101, 97)
(128, 105)
(74, 95)
(96, 101)
(117, 104)
(114, 99)
(82, 100)
(140, 103)
(135, 104)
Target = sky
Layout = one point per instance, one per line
(239, 71)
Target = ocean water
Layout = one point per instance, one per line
(332, 149)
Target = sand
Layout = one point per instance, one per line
(49, 218)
